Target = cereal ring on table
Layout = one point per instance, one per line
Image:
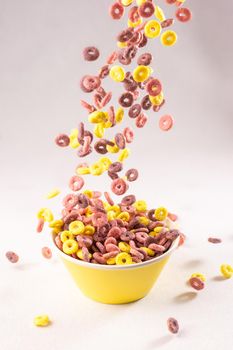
(152, 29)
(126, 99)
(103, 72)
(91, 53)
(128, 134)
(146, 9)
(128, 200)
(214, 240)
(143, 41)
(168, 38)
(41, 321)
(70, 246)
(141, 73)
(183, 14)
(167, 23)
(141, 121)
(196, 283)
(172, 323)
(144, 59)
(135, 110)
(108, 198)
(112, 175)
(99, 219)
(115, 167)
(226, 270)
(116, 10)
(154, 87)
(131, 175)
(46, 252)
(125, 35)
(117, 73)
(70, 201)
(76, 183)
(62, 140)
(120, 140)
(12, 257)
(123, 259)
(119, 187)
(146, 103)
(89, 83)
(166, 122)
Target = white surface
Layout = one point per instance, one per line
(189, 170)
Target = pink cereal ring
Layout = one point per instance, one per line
(99, 219)
(172, 217)
(196, 283)
(112, 58)
(108, 198)
(99, 258)
(173, 325)
(12, 257)
(58, 242)
(154, 87)
(46, 252)
(111, 240)
(114, 232)
(118, 187)
(85, 254)
(170, 2)
(131, 174)
(128, 134)
(146, 9)
(136, 253)
(183, 14)
(112, 248)
(87, 106)
(76, 183)
(141, 120)
(141, 236)
(134, 14)
(156, 247)
(116, 11)
(101, 247)
(166, 122)
(110, 254)
(62, 140)
(70, 201)
(40, 226)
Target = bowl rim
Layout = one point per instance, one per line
(116, 267)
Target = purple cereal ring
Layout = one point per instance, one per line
(151, 215)
(116, 10)
(135, 110)
(111, 254)
(196, 283)
(173, 325)
(62, 140)
(119, 187)
(108, 198)
(123, 59)
(131, 174)
(83, 201)
(111, 240)
(214, 240)
(154, 87)
(144, 59)
(146, 9)
(112, 175)
(141, 120)
(129, 83)
(99, 219)
(120, 140)
(172, 234)
(101, 146)
(143, 41)
(146, 103)
(135, 252)
(156, 247)
(91, 53)
(101, 247)
(115, 167)
(114, 232)
(12, 257)
(131, 51)
(125, 35)
(167, 244)
(89, 83)
(104, 72)
(70, 201)
(99, 258)
(128, 134)
(112, 116)
(112, 248)
(128, 200)
(126, 99)
(141, 236)
(127, 236)
(167, 23)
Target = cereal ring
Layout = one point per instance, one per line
(141, 120)
(123, 259)
(87, 106)
(128, 134)
(116, 10)
(65, 235)
(144, 59)
(183, 14)
(131, 50)
(168, 38)
(146, 103)
(101, 146)
(214, 240)
(126, 2)
(125, 35)
(127, 236)
(161, 213)
(143, 41)
(196, 283)
(99, 219)
(172, 234)
(119, 187)
(112, 247)
(40, 225)
(134, 14)
(172, 323)
(104, 72)
(159, 14)
(129, 83)
(62, 140)
(12, 257)
(120, 140)
(76, 227)
(70, 201)
(126, 99)
(141, 73)
(42, 321)
(76, 183)
(128, 200)
(167, 23)
(123, 59)
(46, 252)
(83, 201)
(199, 275)
(170, 2)
(70, 246)
(115, 167)
(154, 87)
(131, 175)
(166, 122)
(108, 198)
(152, 29)
(147, 9)
(226, 270)
(99, 258)
(58, 242)
(117, 73)
(91, 53)
(112, 175)
(112, 57)
(89, 83)
(156, 247)
(135, 110)
(141, 236)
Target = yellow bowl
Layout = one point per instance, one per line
(114, 284)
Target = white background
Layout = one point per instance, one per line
(188, 169)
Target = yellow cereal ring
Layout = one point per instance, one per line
(56, 224)
(111, 261)
(141, 73)
(117, 73)
(152, 29)
(119, 115)
(134, 24)
(124, 216)
(126, 2)
(123, 259)
(148, 251)
(113, 149)
(96, 169)
(70, 246)
(65, 235)
(144, 220)
(55, 192)
(88, 212)
(124, 154)
(88, 193)
(105, 162)
(159, 14)
(199, 275)
(226, 270)
(121, 45)
(89, 230)
(99, 130)
(158, 229)
(168, 38)
(97, 117)
(157, 100)
(161, 213)
(140, 2)
(115, 208)
(45, 214)
(107, 124)
(124, 247)
(80, 254)
(41, 321)
(83, 171)
(55, 231)
(74, 138)
(140, 206)
(111, 215)
(76, 227)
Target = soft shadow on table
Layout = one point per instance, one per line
(218, 278)
(25, 266)
(185, 297)
(161, 341)
(193, 263)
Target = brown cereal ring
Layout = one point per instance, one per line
(126, 99)
(115, 167)
(83, 201)
(144, 59)
(128, 200)
(89, 83)
(119, 187)
(149, 240)
(127, 236)
(214, 240)
(129, 83)
(116, 10)
(62, 140)
(146, 9)
(112, 175)
(131, 174)
(123, 59)
(172, 234)
(143, 41)
(120, 140)
(134, 14)
(91, 53)
(130, 51)
(196, 283)
(183, 14)
(135, 110)
(104, 72)
(167, 23)
(112, 116)
(141, 120)
(172, 325)
(128, 134)
(101, 146)
(146, 103)
(170, 2)
(81, 153)
(125, 35)
(154, 87)
(12, 257)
